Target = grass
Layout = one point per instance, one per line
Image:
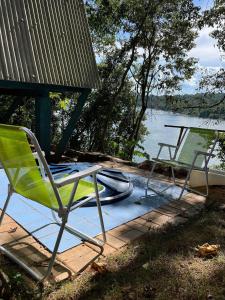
(162, 265)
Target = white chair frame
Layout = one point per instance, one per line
(190, 168)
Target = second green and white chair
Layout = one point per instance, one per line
(194, 151)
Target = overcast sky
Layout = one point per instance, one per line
(206, 51)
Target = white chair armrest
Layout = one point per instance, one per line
(35, 154)
(76, 176)
(167, 145)
(204, 153)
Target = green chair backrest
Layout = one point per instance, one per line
(20, 166)
(197, 139)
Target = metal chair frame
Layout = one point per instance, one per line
(63, 211)
(207, 157)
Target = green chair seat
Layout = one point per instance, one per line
(44, 194)
(24, 173)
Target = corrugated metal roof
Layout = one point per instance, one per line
(46, 41)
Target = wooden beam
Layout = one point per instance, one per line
(9, 86)
(43, 122)
(72, 123)
(20, 93)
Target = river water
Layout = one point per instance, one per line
(156, 119)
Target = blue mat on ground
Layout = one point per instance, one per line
(36, 219)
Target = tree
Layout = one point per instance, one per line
(142, 44)
(214, 18)
(89, 131)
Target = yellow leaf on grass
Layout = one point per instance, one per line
(207, 250)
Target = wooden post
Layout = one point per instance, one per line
(72, 123)
(43, 122)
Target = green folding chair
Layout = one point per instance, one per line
(193, 152)
(29, 176)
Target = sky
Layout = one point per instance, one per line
(206, 51)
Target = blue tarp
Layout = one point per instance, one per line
(36, 219)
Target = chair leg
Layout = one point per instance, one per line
(173, 175)
(99, 208)
(185, 184)
(206, 184)
(52, 260)
(64, 226)
(13, 257)
(10, 191)
(149, 177)
(181, 193)
(207, 181)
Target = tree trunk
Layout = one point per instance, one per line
(136, 129)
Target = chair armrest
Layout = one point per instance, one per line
(204, 153)
(76, 176)
(167, 145)
(35, 154)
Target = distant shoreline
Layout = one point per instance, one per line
(197, 105)
(190, 114)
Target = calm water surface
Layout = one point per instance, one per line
(156, 119)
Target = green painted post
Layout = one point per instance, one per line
(72, 123)
(43, 122)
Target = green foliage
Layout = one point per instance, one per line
(24, 113)
(214, 17)
(143, 48)
(221, 152)
(63, 104)
(141, 152)
(90, 128)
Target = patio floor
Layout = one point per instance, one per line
(77, 258)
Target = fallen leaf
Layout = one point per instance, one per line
(206, 250)
(145, 266)
(12, 229)
(99, 267)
